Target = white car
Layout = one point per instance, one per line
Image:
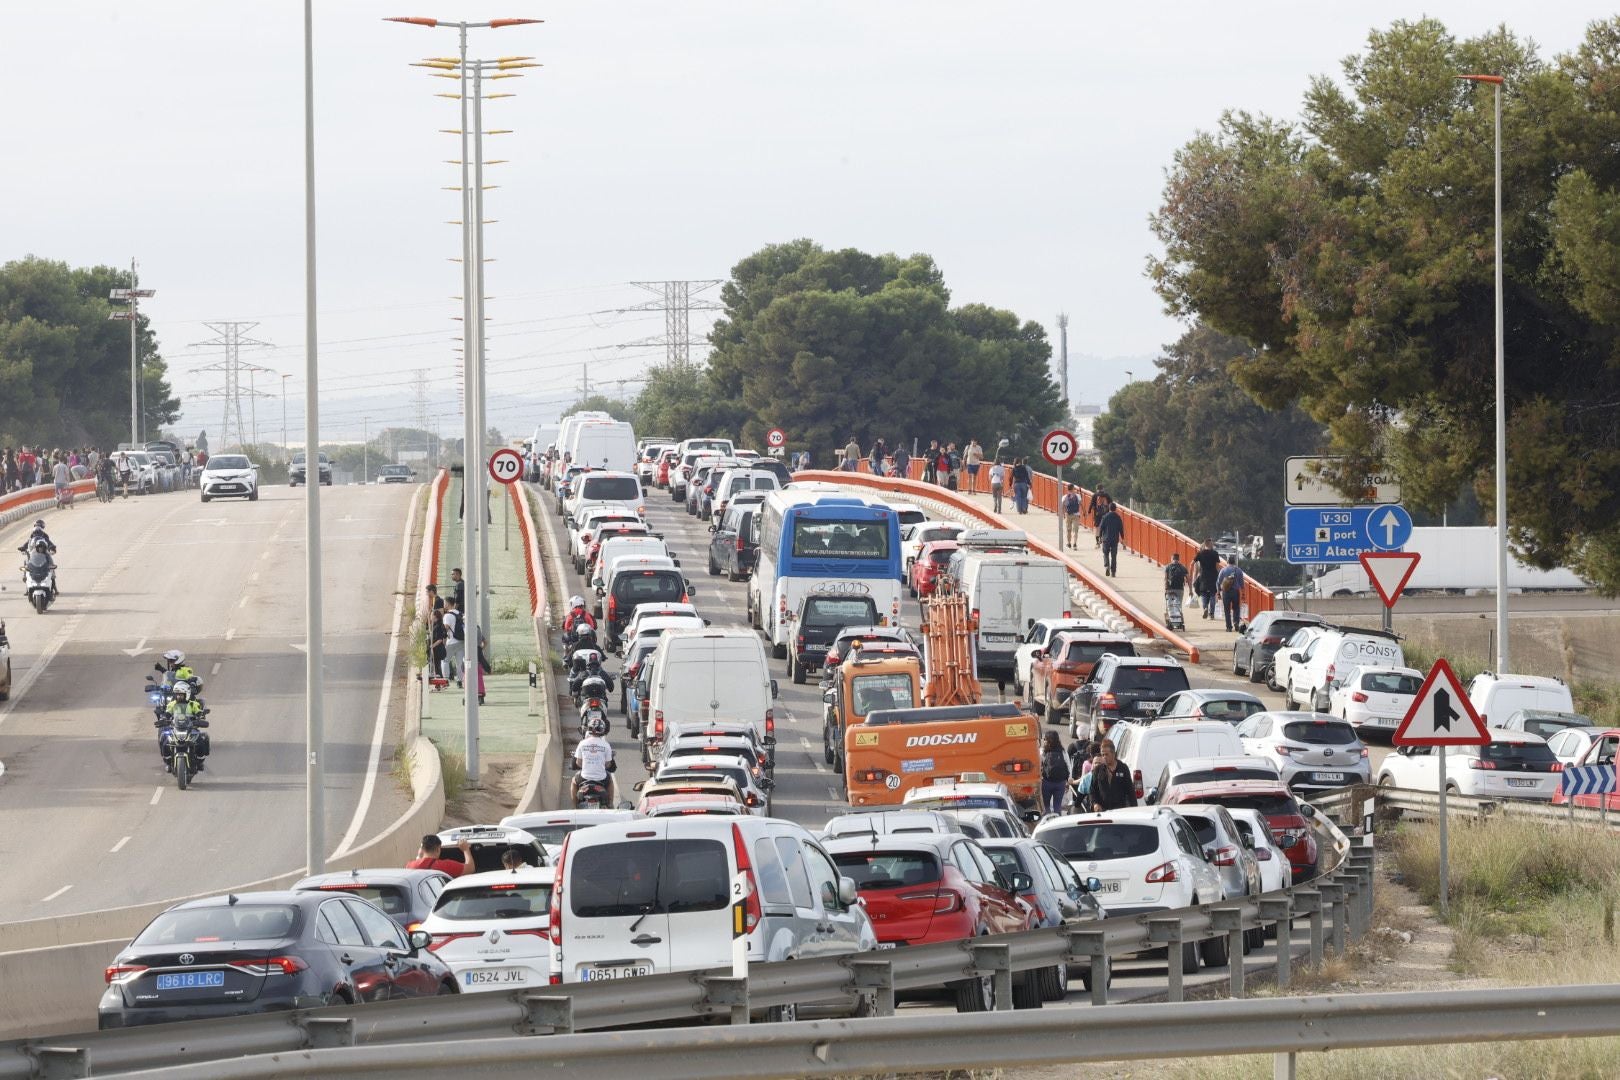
(550, 826)
(589, 523)
(492, 929)
(1330, 656)
(908, 513)
(1374, 697)
(970, 792)
(229, 476)
(1274, 871)
(1513, 765)
(1571, 744)
(1282, 661)
(755, 789)
(1037, 637)
(1312, 751)
(913, 537)
(1145, 858)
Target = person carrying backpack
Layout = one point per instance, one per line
(1071, 516)
(1054, 773)
(1230, 586)
(455, 644)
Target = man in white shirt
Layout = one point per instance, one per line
(593, 759)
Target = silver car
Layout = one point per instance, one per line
(1313, 751)
(1232, 859)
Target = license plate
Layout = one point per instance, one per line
(998, 637)
(1149, 707)
(189, 980)
(885, 944)
(494, 977)
(600, 972)
(1521, 783)
(1109, 886)
(1333, 777)
(813, 647)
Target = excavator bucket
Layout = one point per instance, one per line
(947, 641)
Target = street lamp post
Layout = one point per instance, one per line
(284, 448)
(1495, 82)
(365, 455)
(314, 716)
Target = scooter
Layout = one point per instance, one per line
(39, 582)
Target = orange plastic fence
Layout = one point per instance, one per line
(436, 489)
(1141, 619)
(1144, 536)
(531, 568)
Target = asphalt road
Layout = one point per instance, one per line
(91, 819)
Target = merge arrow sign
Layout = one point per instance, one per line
(1389, 572)
(1441, 714)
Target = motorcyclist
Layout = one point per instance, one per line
(37, 535)
(38, 552)
(578, 615)
(176, 670)
(593, 758)
(182, 703)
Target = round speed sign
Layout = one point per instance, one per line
(775, 438)
(1059, 447)
(506, 465)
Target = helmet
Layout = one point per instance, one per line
(597, 726)
(182, 690)
(576, 601)
(175, 657)
(41, 546)
(39, 524)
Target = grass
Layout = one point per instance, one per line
(513, 665)
(1562, 1059)
(453, 767)
(418, 641)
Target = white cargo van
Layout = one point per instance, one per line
(609, 445)
(601, 486)
(1147, 748)
(1008, 589)
(700, 677)
(1497, 697)
(571, 423)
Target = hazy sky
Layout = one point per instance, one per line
(1021, 144)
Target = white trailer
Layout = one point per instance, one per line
(1459, 559)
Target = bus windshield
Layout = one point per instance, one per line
(822, 539)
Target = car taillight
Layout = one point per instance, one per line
(1068, 614)
(1358, 697)
(870, 776)
(1271, 641)
(739, 542)
(273, 965)
(122, 972)
(801, 641)
(1162, 873)
(1225, 856)
(1068, 665)
(1283, 750)
(1364, 752)
(1136, 778)
(973, 618)
(751, 909)
(1330, 670)
(1480, 763)
(945, 900)
(1557, 766)
(770, 722)
(1107, 701)
(554, 920)
(658, 724)
(613, 606)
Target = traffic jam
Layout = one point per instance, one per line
(805, 748)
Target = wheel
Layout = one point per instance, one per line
(1189, 958)
(1108, 974)
(1386, 781)
(1236, 670)
(205, 498)
(714, 571)
(446, 988)
(624, 702)
(253, 496)
(1271, 677)
(182, 771)
(1213, 951)
(782, 1014)
(731, 573)
(838, 765)
(826, 746)
(1054, 982)
(41, 602)
(779, 651)
(972, 995)
(1257, 672)
(1026, 990)
(796, 669)
(1052, 715)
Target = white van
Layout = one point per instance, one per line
(1008, 589)
(1147, 748)
(645, 897)
(609, 445)
(735, 481)
(1497, 697)
(699, 677)
(1329, 658)
(600, 486)
(571, 423)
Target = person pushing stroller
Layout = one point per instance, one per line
(1175, 589)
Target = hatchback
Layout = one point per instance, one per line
(1545, 722)
(406, 896)
(266, 951)
(1374, 698)
(1513, 765)
(494, 929)
(1057, 894)
(1180, 772)
(1571, 744)
(1312, 751)
(1286, 816)
(1232, 859)
(929, 566)
(1233, 706)
(1273, 861)
(1265, 634)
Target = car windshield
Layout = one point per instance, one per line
(1284, 628)
(816, 538)
(1226, 772)
(888, 869)
(707, 772)
(1158, 682)
(871, 693)
(514, 900)
(1089, 652)
(611, 488)
(227, 461)
(391, 898)
(1549, 724)
(235, 922)
(1006, 860)
(1269, 804)
(1231, 709)
(1391, 682)
(940, 556)
(648, 877)
(839, 611)
(1319, 732)
(1099, 841)
(1512, 755)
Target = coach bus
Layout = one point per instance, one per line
(827, 542)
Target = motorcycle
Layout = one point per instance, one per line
(582, 640)
(591, 795)
(592, 698)
(39, 581)
(184, 738)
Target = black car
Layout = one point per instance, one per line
(632, 588)
(266, 951)
(1056, 893)
(733, 547)
(1252, 652)
(1124, 688)
(821, 618)
(406, 896)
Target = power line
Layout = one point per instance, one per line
(229, 336)
(675, 301)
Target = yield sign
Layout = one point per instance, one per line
(1441, 714)
(1389, 571)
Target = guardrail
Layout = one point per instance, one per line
(1280, 1026)
(30, 500)
(1337, 905)
(1425, 806)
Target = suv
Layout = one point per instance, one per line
(1066, 662)
(1123, 688)
(1253, 650)
(732, 548)
(820, 620)
(229, 476)
(633, 588)
(298, 468)
(1233, 860)
(395, 474)
(1314, 673)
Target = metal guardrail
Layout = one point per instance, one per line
(1337, 905)
(1355, 804)
(1282, 1026)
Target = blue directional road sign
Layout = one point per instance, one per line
(1587, 780)
(1339, 534)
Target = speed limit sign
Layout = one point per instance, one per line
(1059, 447)
(506, 465)
(776, 438)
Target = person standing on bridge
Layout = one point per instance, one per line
(1230, 585)
(902, 461)
(852, 455)
(1112, 530)
(998, 480)
(461, 588)
(1071, 516)
(1206, 567)
(972, 458)
(455, 640)
(1021, 481)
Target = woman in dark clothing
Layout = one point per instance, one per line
(1021, 483)
(1054, 774)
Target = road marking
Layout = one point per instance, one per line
(266, 554)
(253, 576)
(116, 848)
(55, 894)
(230, 633)
(385, 698)
(140, 647)
(832, 791)
(217, 665)
(156, 795)
(243, 602)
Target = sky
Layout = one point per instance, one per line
(1021, 144)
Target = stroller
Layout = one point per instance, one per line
(1172, 610)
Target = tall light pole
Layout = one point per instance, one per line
(365, 455)
(1495, 82)
(133, 295)
(284, 447)
(314, 717)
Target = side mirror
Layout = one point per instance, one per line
(711, 528)
(775, 691)
(1030, 625)
(1308, 810)
(420, 939)
(627, 805)
(1093, 885)
(1208, 854)
(677, 562)
(706, 622)
(1295, 656)
(766, 783)
(638, 785)
(847, 893)
(1020, 882)
(827, 696)
(1152, 796)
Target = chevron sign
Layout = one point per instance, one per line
(1588, 780)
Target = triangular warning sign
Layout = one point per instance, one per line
(1389, 571)
(1441, 714)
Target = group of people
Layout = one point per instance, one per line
(28, 467)
(447, 636)
(1209, 580)
(942, 463)
(1088, 776)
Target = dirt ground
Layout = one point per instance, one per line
(504, 778)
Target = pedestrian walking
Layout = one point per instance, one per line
(931, 463)
(1230, 585)
(972, 458)
(880, 456)
(1095, 509)
(1206, 567)
(460, 588)
(1111, 784)
(1071, 516)
(1021, 481)
(1112, 531)
(1054, 774)
(8, 471)
(852, 455)
(998, 477)
(455, 640)
(438, 638)
(1175, 591)
(902, 461)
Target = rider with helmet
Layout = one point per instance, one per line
(183, 703)
(37, 550)
(593, 758)
(578, 615)
(176, 670)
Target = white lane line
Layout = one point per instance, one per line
(156, 795)
(116, 848)
(217, 665)
(243, 602)
(832, 791)
(266, 554)
(380, 729)
(55, 894)
(253, 576)
(230, 633)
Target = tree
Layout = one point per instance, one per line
(619, 410)
(1195, 447)
(1354, 251)
(681, 400)
(64, 367)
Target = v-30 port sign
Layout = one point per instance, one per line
(1324, 534)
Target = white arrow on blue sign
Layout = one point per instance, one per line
(1587, 780)
(1339, 534)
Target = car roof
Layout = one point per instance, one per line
(1193, 793)
(1213, 693)
(700, 762)
(1219, 761)
(1362, 668)
(385, 875)
(566, 817)
(1145, 661)
(867, 841)
(1136, 815)
(667, 805)
(1502, 735)
(523, 875)
(485, 834)
(1082, 634)
(1288, 716)
(290, 897)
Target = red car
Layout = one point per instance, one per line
(919, 888)
(929, 564)
(1282, 812)
(661, 468)
(1601, 752)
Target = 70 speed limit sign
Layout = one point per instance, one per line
(1059, 447)
(506, 465)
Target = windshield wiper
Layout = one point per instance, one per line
(658, 878)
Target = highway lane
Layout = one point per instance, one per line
(91, 820)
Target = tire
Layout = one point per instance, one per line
(731, 573)
(446, 988)
(779, 652)
(826, 745)
(624, 701)
(1054, 982)
(1213, 951)
(1189, 957)
(796, 670)
(205, 498)
(182, 771)
(972, 995)
(41, 602)
(838, 764)
(1271, 677)
(253, 496)
(1108, 974)
(1053, 717)
(1026, 990)
(1235, 669)
(1257, 672)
